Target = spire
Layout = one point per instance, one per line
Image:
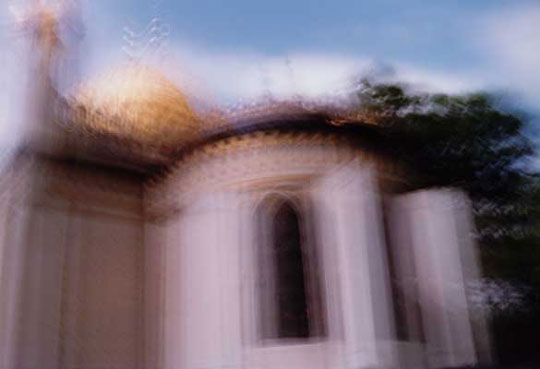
(41, 23)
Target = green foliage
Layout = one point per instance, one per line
(461, 141)
(466, 141)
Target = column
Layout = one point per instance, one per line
(349, 217)
(439, 234)
(202, 285)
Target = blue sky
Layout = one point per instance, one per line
(223, 51)
(453, 44)
(418, 31)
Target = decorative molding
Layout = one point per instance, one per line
(256, 161)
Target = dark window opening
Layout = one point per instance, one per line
(289, 296)
(289, 271)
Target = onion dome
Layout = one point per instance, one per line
(136, 103)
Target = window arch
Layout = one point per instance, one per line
(288, 272)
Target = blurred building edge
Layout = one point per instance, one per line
(136, 233)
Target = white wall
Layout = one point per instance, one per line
(210, 301)
(438, 237)
(210, 309)
(72, 271)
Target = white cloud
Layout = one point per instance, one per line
(232, 75)
(514, 36)
(436, 81)
(510, 39)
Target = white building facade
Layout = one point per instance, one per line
(383, 275)
(136, 234)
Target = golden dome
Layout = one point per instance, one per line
(139, 103)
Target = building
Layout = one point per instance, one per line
(136, 233)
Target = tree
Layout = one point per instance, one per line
(468, 141)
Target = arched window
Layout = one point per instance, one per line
(288, 279)
(289, 274)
